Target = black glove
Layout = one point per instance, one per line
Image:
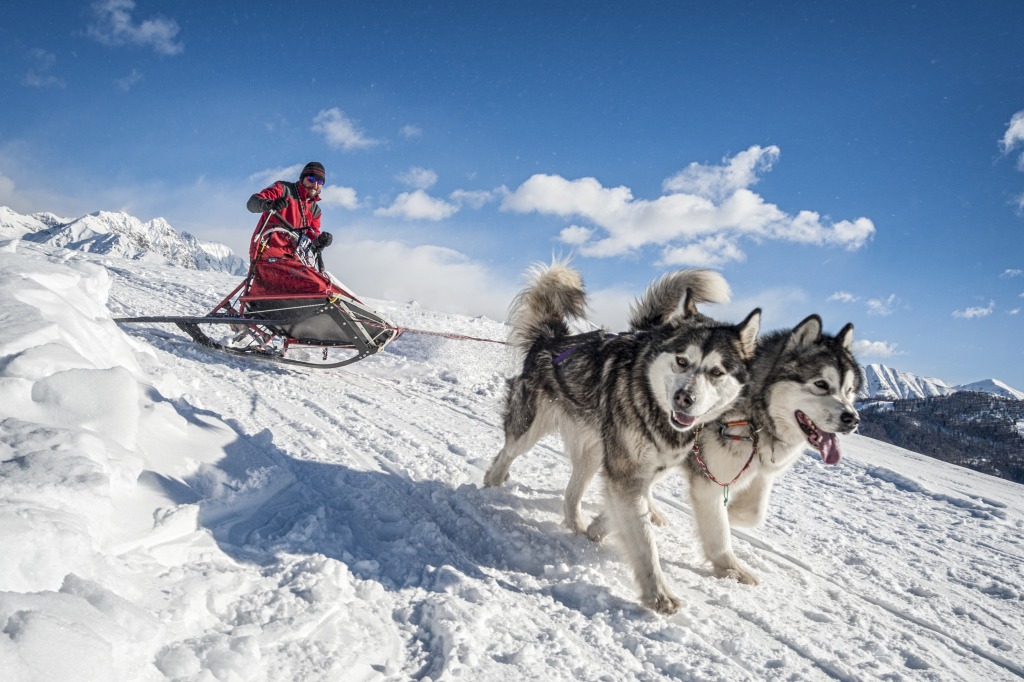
(324, 240)
(277, 204)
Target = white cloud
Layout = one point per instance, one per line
(863, 349)
(719, 182)
(410, 131)
(843, 297)
(128, 82)
(712, 252)
(114, 26)
(976, 311)
(882, 306)
(418, 178)
(1012, 272)
(339, 131)
(267, 177)
(418, 205)
(575, 235)
(1015, 311)
(339, 196)
(704, 223)
(1014, 134)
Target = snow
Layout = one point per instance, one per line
(171, 513)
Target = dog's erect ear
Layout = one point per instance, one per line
(805, 334)
(845, 337)
(748, 333)
(689, 305)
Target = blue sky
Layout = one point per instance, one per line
(863, 160)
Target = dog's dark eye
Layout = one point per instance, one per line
(718, 372)
(682, 362)
(823, 385)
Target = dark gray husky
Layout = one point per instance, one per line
(625, 404)
(802, 387)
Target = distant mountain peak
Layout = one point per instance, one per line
(886, 383)
(120, 234)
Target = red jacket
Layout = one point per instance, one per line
(301, 212)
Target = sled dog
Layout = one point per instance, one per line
(801, 391)
(624, 404)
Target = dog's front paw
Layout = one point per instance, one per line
(598, 528)
(662, 601)
(495, 477)
(657, 518)
(738, 574)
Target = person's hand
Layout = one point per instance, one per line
(277, 204)
(324, 240)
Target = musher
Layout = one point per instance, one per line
(290, 210)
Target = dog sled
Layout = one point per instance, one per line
(291, 311)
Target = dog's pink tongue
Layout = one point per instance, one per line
(828, 446)
(684, 419)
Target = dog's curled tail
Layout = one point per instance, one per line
(554, 294)
(667, 299)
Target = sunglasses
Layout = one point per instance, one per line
(312, 179)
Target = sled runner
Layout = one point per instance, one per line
(289, 310)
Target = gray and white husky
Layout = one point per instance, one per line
(624, 404)
(801, 392)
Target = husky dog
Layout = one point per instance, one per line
(801, 391)
(628, 403)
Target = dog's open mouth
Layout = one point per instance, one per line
(826, 443)
(682, 421)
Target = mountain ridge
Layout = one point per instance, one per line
(123, 235)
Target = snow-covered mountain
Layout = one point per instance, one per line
(886, 383)
(125, 236)
(14, 225)
(891, 384)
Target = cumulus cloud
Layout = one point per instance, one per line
(418, 178)
(1012, 272)
(719, 182)
(40, 72)
(340, 131)
(865, 349)
(700, 221)
(843, 297)
(410, 131)
(113, 25)
(339, 196)
(418, 205)
(575, 234)
(976, 311)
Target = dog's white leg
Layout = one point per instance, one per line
(626, 504)
(585, 457)
(749, 507)
(713, 527)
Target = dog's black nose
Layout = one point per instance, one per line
(850, 419)
(684, 398)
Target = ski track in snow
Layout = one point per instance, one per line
(341, 529)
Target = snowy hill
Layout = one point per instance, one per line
(993, 386)
(124, 236)
(170, 513)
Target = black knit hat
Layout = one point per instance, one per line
(316, 169)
